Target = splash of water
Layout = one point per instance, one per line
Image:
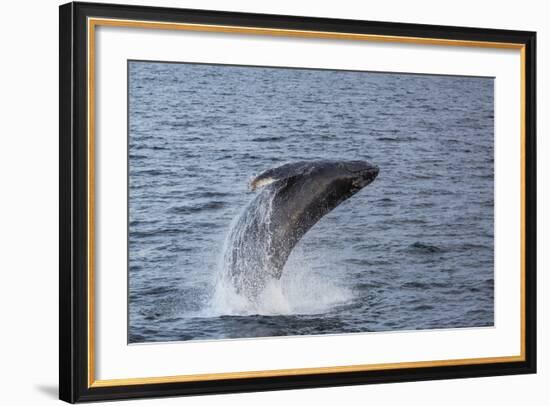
(246, 282)
(248, 249)
(299, 291)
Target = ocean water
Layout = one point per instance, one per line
(413, 250)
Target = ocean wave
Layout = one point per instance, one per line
(199, 207)
(424, 248)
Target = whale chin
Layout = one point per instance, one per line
(290, 199)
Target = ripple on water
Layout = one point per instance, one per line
(414, 250)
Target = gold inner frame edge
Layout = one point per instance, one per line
(91, 25)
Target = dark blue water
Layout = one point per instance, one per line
(413, 250)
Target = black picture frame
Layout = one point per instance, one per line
(74, 385)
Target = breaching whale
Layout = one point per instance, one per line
(291, 198)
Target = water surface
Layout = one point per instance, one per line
(413, 250)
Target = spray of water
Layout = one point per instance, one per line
(245, 282)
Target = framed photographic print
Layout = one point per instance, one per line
(255, 202)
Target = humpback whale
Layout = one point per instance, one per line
(291, 198)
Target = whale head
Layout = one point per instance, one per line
(340, 178)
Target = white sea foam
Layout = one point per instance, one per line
(299, 291)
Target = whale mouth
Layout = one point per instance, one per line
(364, 172)
(365, 175)
(372, 172)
